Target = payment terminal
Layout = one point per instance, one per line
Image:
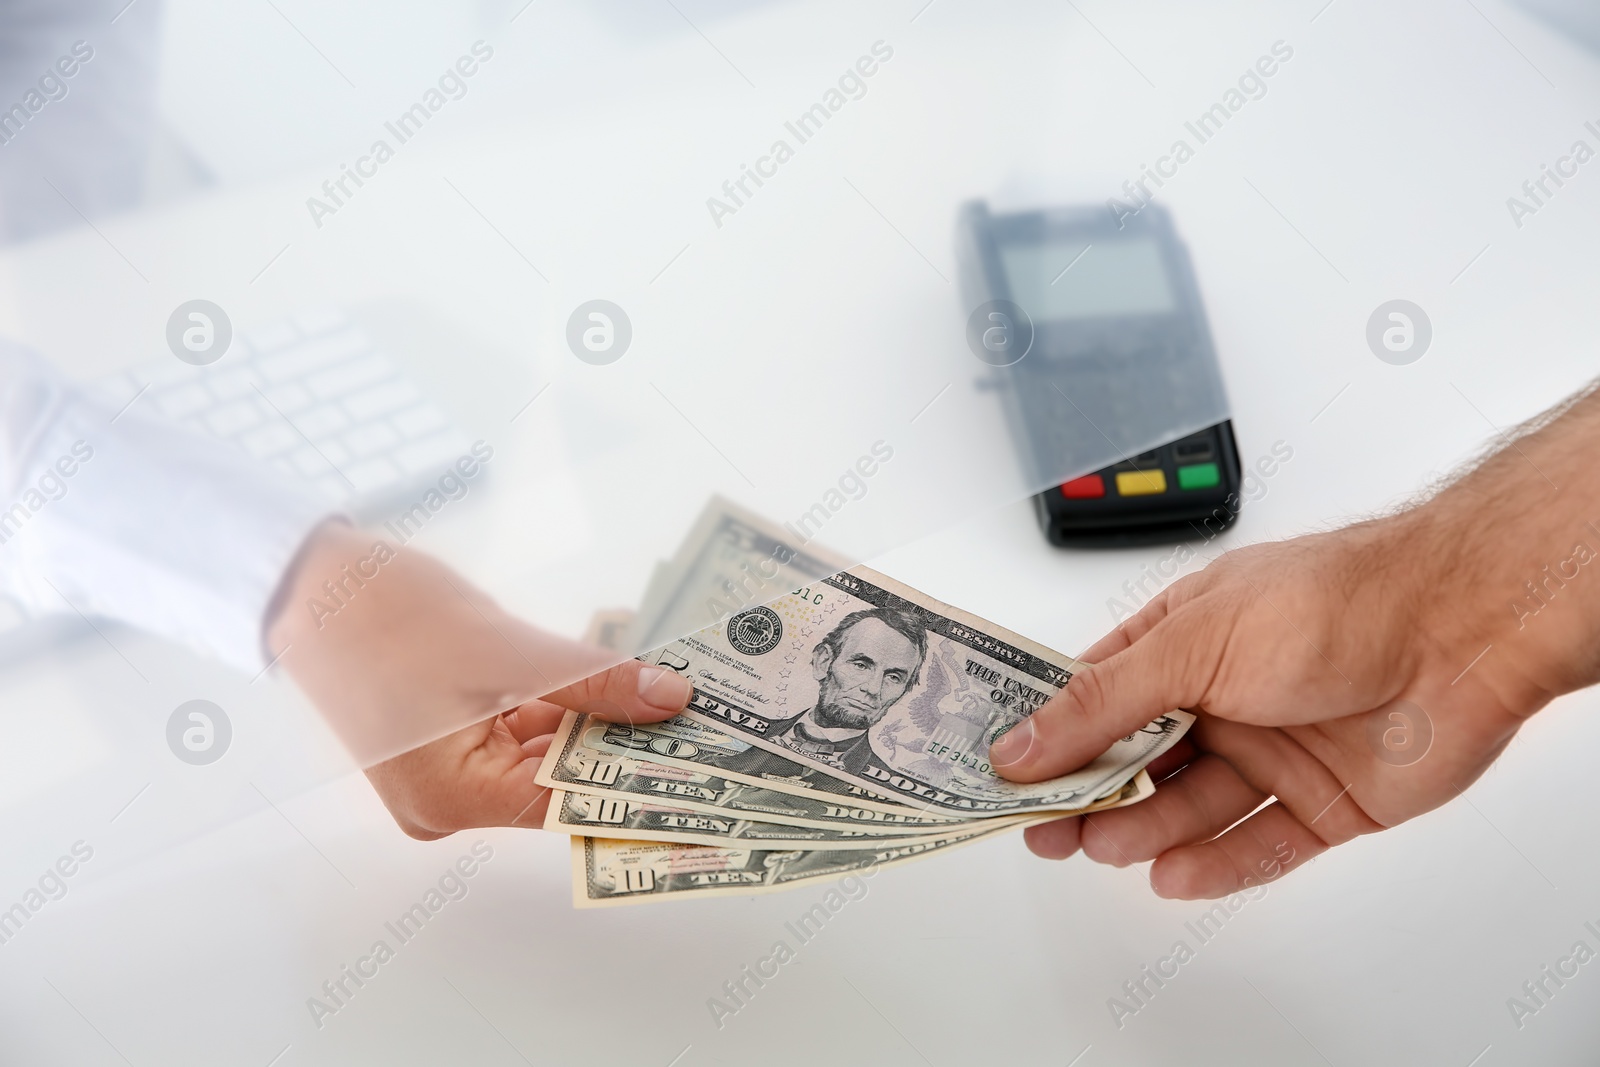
(1099, 345)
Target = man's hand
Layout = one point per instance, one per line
(1306, 659)
(446, 698)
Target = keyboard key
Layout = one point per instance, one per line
(319, 378)
(124, 385)
(337, 454)
(170, 372)
(269, 337)
(230, 384)
(1141, 483)
(233, 418)
(390, 396)
(372, 474)
(1089, 487)
(1198, 476)
(182, 401)
(300, 360)
(419, 420)
(430, 455)
(289, 398)
(310, 462)
(366, 440)
(339, 380)
(320, 320)
(321, 422)
(270, 440)
(333, 486)
(114, 391)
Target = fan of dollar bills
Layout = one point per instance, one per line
(838, 727)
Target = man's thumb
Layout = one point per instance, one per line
(1108, 701)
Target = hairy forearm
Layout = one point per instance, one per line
(1508, 557)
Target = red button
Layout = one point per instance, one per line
(1089, 487)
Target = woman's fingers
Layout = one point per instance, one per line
(532, 813)
(628, 692)
(533, 719)
(479, 776)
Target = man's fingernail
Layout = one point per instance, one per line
(1012, 745)
(664, 689)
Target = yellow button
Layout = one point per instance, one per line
(1141, 483)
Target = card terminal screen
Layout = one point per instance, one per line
(1056, 280)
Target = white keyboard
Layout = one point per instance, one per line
(313, 397)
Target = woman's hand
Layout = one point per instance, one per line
(449, 700)
(483, 775)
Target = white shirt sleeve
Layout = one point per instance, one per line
(128, 518)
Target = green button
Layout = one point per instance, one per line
(1198, 476)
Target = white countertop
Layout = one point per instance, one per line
(220, 898)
